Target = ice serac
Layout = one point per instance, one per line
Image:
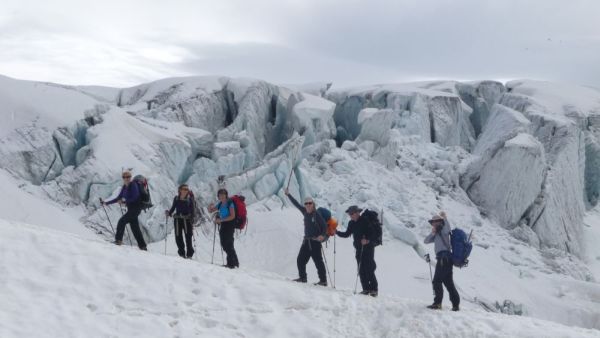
(592, 160)
(559, 120)
(503, 193)
(481, 97)
(436, 116)
(557, 214)
(504, 149)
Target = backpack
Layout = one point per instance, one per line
(330, 221)
(241, 214)
(461, 247)
(372, 218)
(191, 201)
(145, 200)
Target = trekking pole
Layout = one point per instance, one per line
(326, 265)
(212, 260)
(166, 233)
(194, 235)
(428, 260)
(358, 272)
(126, 229)
(334, 252)
(291, 172)
(108, 218)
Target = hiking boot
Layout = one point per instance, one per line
(144, 249)
(322, 283)
(455, 308)
(118, 242)
(435, 306)
(299, 280)
(373, 293)
(365, 292)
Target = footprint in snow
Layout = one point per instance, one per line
(92, 307)
(196, 291)
(196, 279)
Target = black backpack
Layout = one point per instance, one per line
(145, 200)
(372, 218)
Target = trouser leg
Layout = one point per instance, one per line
(316, 253)
(302, 259)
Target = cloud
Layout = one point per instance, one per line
(122, 43)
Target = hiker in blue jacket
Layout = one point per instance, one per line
(183, 220)
(226, 220)
(440, 236)
(129, 196)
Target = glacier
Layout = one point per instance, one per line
(516, 162)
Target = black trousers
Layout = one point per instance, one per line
(184, 227)
(367, 267)
(131, 217)
(311, 248)
(443, 275)
(226, 235)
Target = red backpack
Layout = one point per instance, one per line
(241, 214)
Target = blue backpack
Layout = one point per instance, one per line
(325, 213)
(461, 247)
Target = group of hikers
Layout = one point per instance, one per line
(365, 236)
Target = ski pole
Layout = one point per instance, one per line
(108, 218)
(326, 265)
(126, 229)
(358, 272)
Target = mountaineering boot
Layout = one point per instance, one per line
(322, 283)
(118, 242)
(365, 292)
(373, 293)
(299, 280)
(455, 308)
(144, 248)
(435, 306)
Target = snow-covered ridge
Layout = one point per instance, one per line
(69, 292)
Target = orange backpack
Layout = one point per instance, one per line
(331, 226)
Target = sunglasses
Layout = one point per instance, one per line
(126, 177)
(308, 203)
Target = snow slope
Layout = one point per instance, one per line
(25, 203)
(57, 290)
(409, 150)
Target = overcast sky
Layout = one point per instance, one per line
(123, 43)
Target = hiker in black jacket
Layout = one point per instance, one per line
(314, 234)
(364, 242)
(183, 220)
